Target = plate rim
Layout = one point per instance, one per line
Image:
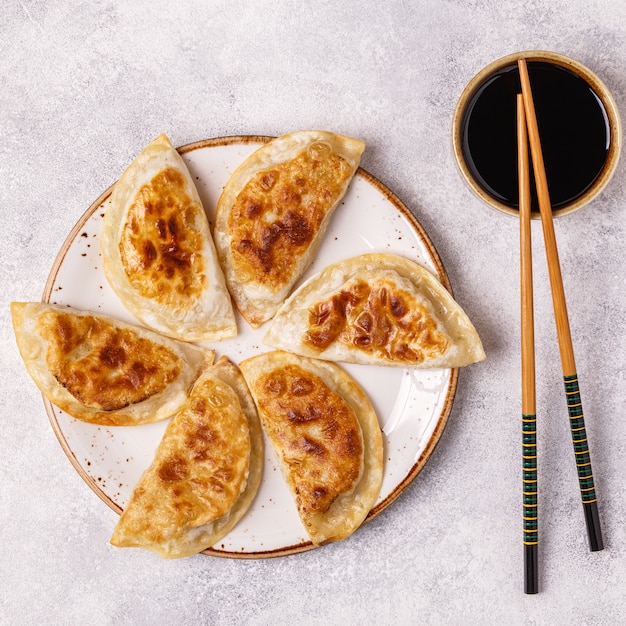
(442, 419)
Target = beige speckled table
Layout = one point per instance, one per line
(84, 86)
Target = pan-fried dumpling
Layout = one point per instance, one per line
(376, 309)
(101, 370)
(157, 251)
(274, 211)
(326, 437)
(205, 473)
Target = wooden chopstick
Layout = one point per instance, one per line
(570, 377)
(529, 418)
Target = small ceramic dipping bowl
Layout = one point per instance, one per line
(579, 128)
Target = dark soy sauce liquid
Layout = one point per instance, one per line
(573, 127)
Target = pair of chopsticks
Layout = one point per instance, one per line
(528, 132)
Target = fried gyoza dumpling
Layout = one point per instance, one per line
(326, 437)
(205, 474)
(274, 211)
(376, 309)
(101, 370)
(157, 251)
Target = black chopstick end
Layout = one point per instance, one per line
(531, 569)
(594, 531)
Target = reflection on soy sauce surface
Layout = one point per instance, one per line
(573, 127)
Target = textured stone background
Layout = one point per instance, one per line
(85, 85)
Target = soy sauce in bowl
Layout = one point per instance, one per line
(578, 126)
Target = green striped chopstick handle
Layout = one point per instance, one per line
(583, 461)
(530, 510)
(529, 478)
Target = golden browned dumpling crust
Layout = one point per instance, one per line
(209, 470)
(376, 309)
(326, 438)
(277, 214)
(103, 366)
(101, 370)
(273, 213)
(318, 433)
(378, 319)
(205, 472)
(160, 240)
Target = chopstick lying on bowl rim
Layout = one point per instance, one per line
(529, 418)
(570, 377)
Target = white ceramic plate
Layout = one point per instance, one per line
(413, 407)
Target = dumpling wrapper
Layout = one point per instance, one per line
(158, 253)
(376, 309)
(205, 473)
(101, 370)
(326, 437)
(273, 212)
